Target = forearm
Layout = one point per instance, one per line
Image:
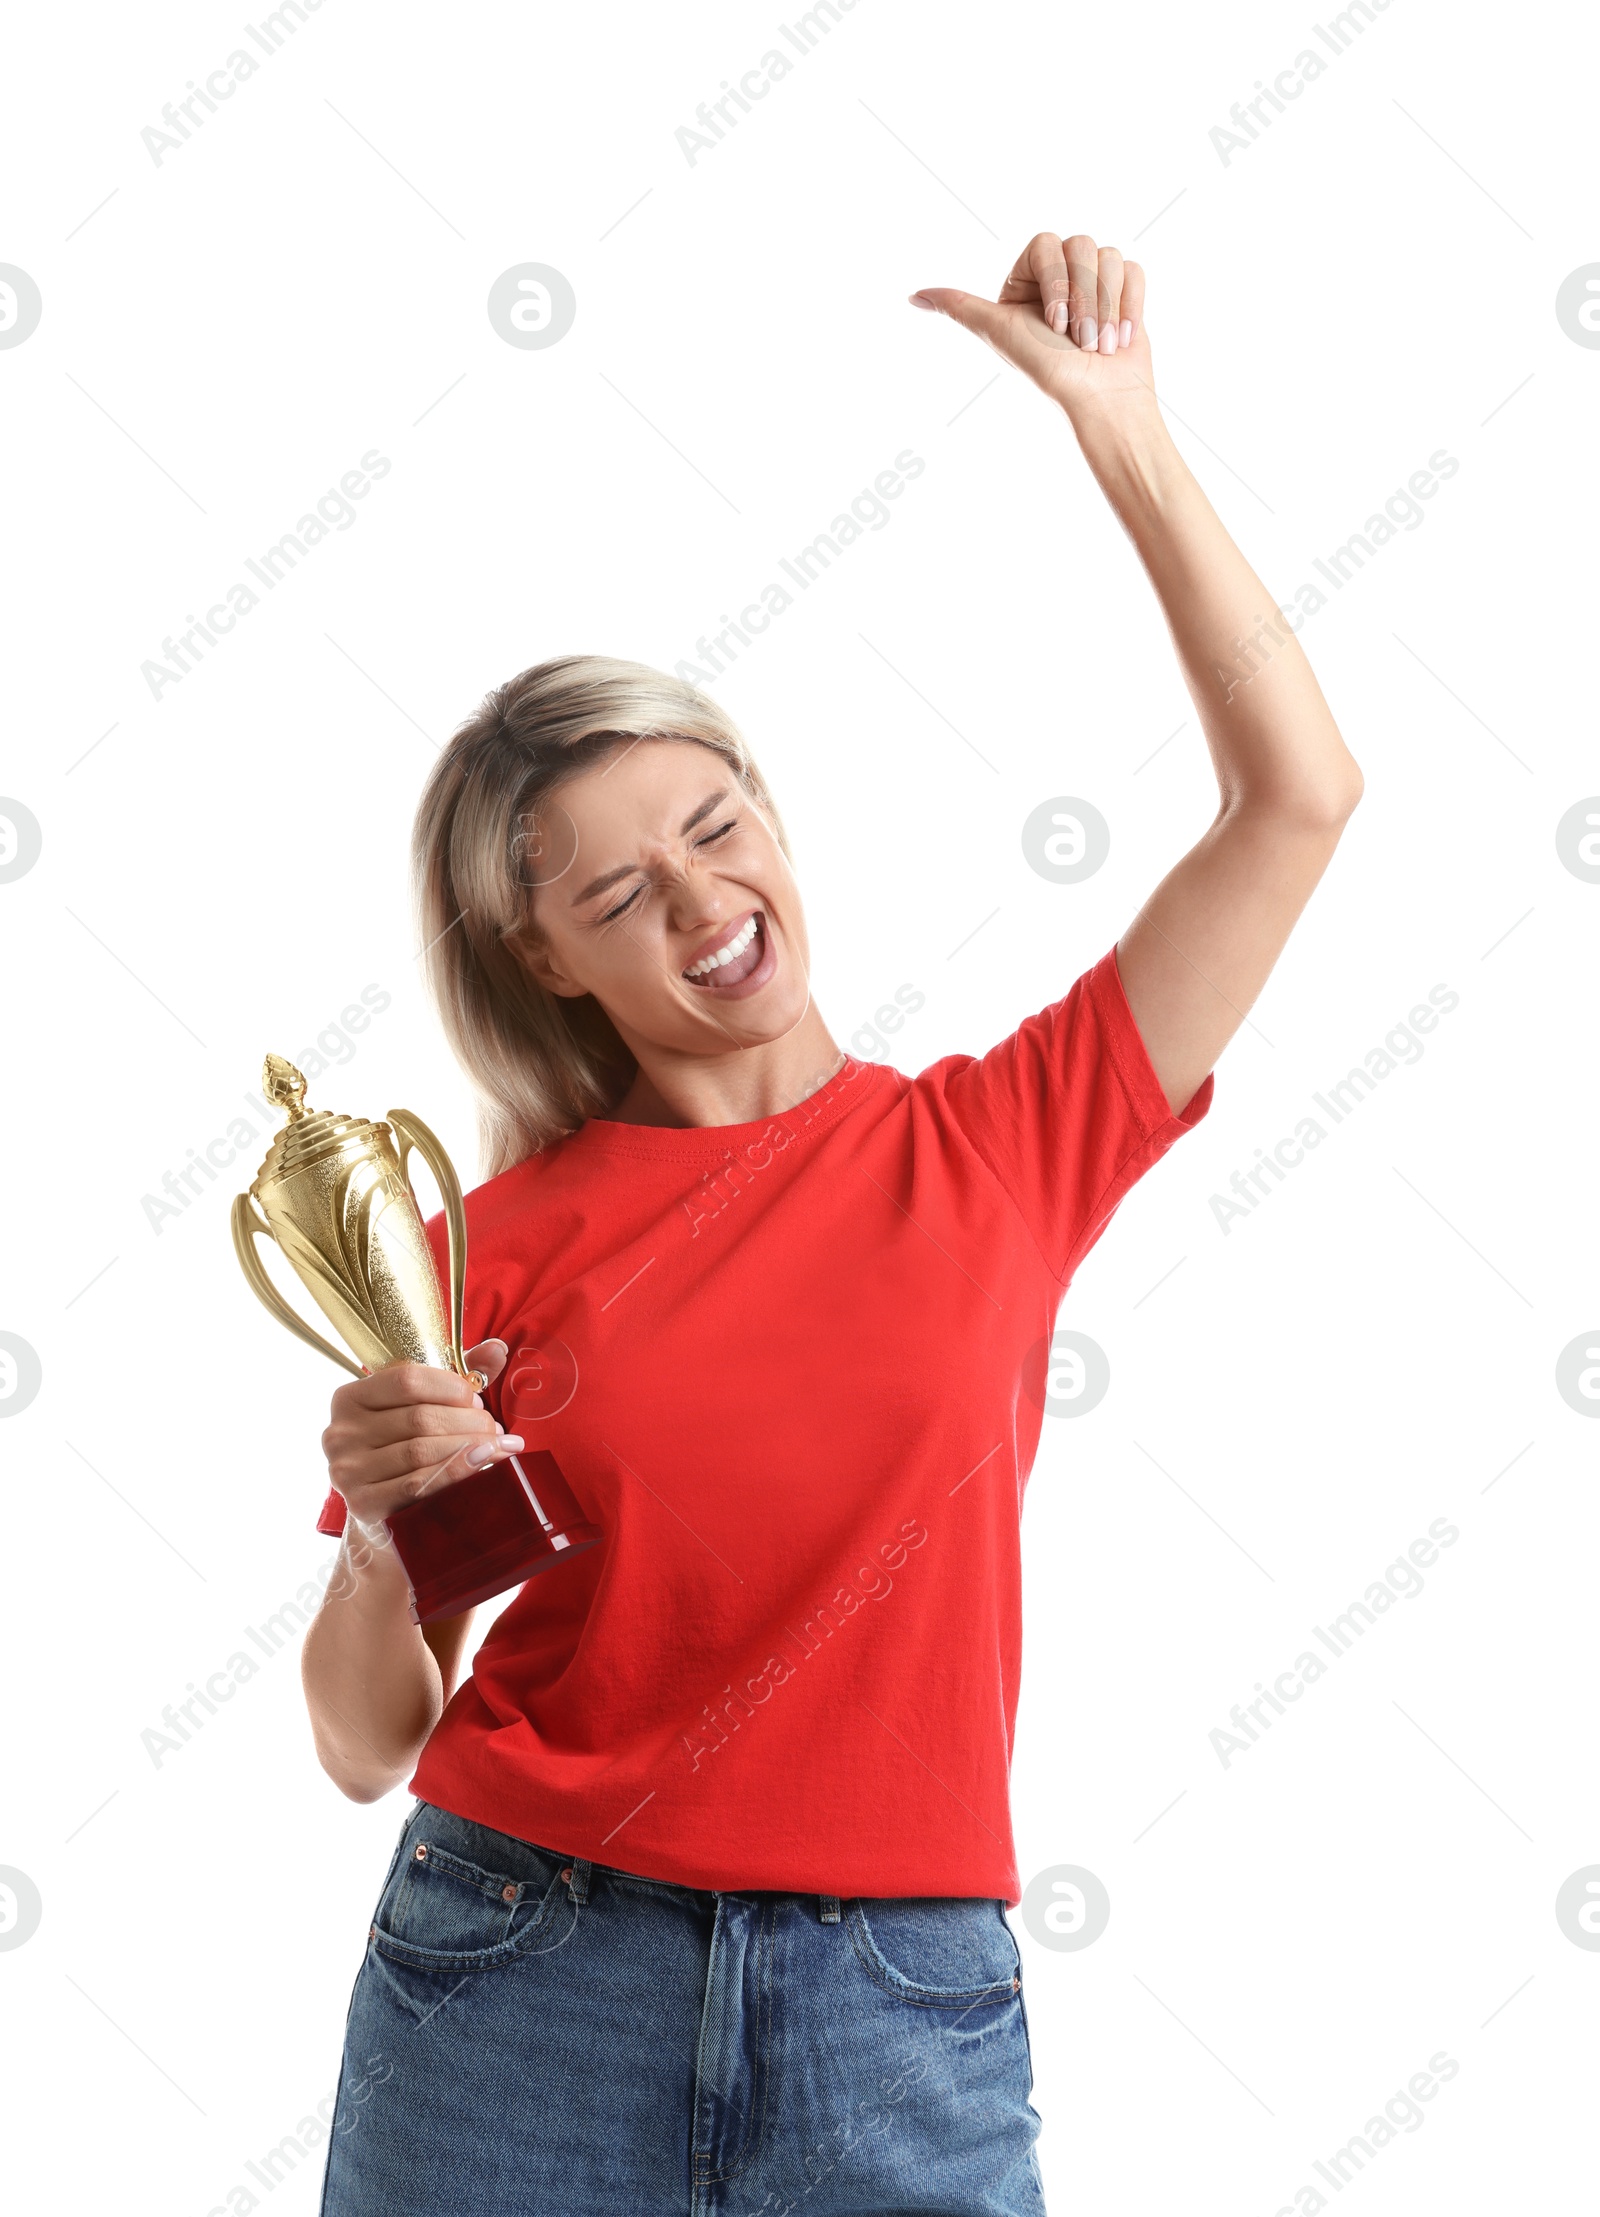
(1272, 737)
(372, 1684)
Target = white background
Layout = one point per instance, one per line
(223, 869)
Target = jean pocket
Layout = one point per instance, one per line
(452, 1911)
(936, 1952)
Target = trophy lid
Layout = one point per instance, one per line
(310, 1135)
(283, 1086)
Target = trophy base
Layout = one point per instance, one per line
(486, 1534)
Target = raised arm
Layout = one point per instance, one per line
(1203, 945)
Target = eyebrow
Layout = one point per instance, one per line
(708, 806)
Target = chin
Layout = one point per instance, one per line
(772, 1018)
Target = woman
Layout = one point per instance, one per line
(701, 1906)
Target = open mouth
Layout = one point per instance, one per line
(740, 956)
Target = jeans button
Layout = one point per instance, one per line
(509, 1893)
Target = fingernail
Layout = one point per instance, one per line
(1108, 338)
(920, 300)
(1057, 318)
(1091, 335)
(477, 1400)
(1125, 332)
(484, 1452)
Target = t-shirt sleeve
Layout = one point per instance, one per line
(1068, 1113)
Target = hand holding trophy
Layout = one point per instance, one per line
(335, 1195)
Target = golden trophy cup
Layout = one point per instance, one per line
(335, 1195)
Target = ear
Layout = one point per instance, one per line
(536, 958)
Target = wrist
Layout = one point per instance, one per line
(1126, 443)
(369, 1574)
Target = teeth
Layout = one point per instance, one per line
(736, 946)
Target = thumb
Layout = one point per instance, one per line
(971, 310)
(489, 1357)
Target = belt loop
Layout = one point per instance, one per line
(577, 1876)
(830, 1908)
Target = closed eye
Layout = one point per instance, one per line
(622, 907)
(612, 915)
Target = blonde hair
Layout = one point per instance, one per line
(540, 1064)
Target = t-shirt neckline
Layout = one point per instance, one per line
(680, 1142)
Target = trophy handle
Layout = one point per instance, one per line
(412, 1132)
(248, 1226)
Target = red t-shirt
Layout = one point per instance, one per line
(793, 1371)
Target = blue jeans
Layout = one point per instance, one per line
(533, 2036)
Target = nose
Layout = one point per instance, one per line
(695, 900)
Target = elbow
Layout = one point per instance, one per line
(363, 1785)
(358, 1776)
(362, 1790)
(1339, 795)
(1323, 808)
(1328, 813)
(1348, 799)
(1330, 803)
